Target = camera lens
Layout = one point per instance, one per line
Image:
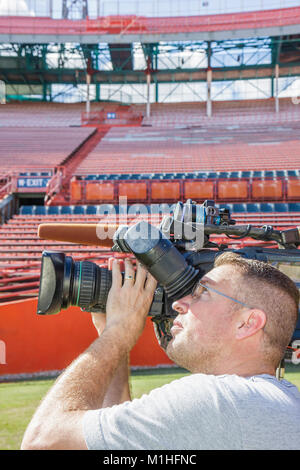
(65, 282)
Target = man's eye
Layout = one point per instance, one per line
(199, 291)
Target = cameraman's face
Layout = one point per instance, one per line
(204, 328)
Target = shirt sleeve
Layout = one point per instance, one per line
(179, 415)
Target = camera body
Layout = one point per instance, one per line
(177, 254)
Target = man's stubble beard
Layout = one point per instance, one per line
(202, 360)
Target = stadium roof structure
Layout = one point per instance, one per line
(133, 49)
(117, 29)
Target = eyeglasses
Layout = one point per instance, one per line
(199, 284)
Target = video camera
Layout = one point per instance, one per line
(177, 253)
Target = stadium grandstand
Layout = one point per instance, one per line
(153, 101)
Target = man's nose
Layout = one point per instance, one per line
(181, 306)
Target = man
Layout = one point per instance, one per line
(231, 333)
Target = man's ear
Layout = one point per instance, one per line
(251, 322)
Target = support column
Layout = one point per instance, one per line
(148, 94)
(88, 82)
(148, 76)
(276, 88)
(156, 91)
(98, 92)
(208, 102)
(208, 82)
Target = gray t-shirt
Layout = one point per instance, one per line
(202, 412)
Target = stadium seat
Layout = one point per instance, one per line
(246, 174)
(294, 206)
(293, 188)
(252, 207)
(165, 190)
(90, 210)
(76, 190)
(133, 191)
(231, 190)
(281, 207)
(79, 210)
(40, 210)
(66, 210)
(199, 190)
(53, 210)
(26, 210)
(239, 208)
(223, 174)
(103, 191)
(267, 189)
(265, 207)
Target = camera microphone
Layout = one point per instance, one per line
(81, 234)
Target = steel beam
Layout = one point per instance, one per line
(76, 76)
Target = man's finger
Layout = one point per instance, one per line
(151, 283)
(129, 276)
(116, 275)
(141, 275)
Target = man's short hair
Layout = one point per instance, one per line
(265, 287)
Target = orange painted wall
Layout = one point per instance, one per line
(36, 343)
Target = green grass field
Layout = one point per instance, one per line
(19, 400)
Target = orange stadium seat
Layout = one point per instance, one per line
(76, 191)
(133, 191)
(165, 190)
(267, 189)
(199, 190)
(293, 189)
(99, 191)
(233, 190)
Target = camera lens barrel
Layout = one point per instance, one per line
(65, 282)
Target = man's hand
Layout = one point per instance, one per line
(129, 301)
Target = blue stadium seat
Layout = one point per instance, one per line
(281, 207)
(201, 175)
(294, 206)
(79, 210)
(239, 208)
(145, 176)
(104, 209)
(281, 173)
(26, 210)
(252, 207)
(267, 207)
(226, 206)
(270, 173)
(67, 210)
(40, 210)
(157, 176)
(235, 174)
(53, 210)
(91, 210)
(169, 176)
(246, 174)
(191, 175)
